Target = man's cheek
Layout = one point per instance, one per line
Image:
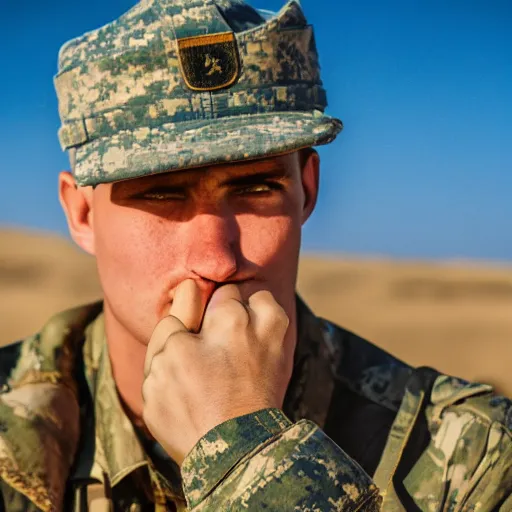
(267, 240)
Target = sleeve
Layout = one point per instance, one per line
(264, 461)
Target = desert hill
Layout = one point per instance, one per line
(456, 317)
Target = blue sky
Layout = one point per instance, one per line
(423, 168)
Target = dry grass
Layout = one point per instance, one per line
(456, 317)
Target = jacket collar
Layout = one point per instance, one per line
(315, 361)
(117, 449)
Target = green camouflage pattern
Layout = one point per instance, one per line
(39, 415)
(126, 109)
(467, 465)
(470, 451)
(267, 451)
(449, 447)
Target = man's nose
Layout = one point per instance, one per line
(213, 247)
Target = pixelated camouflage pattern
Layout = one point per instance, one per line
(470, 452)
(126, 110)
(467, 465)
(39, 413)
(449, 448)
(117, 450)
(267, 451)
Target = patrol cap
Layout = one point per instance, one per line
(178, 84)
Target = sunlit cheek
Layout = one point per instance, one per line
(132, 247)
(264, 240)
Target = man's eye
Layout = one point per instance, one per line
(261, 188)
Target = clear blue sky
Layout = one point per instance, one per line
(423, 168)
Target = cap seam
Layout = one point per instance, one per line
(125, 108)
(213, 119)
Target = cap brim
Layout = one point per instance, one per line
(179, 146)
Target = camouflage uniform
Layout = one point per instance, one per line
(173, 85)
(429, 441)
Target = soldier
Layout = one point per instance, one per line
(202, 381)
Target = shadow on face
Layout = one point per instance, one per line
(247, 187)
(226, 223)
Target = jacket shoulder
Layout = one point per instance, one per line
(40, 410)
(383, 378)
(459, 450)
(366, 369)
(45, 348)
(480, 399)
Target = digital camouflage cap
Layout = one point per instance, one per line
(177, 84)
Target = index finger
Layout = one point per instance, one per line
(227, 295)
(223, 294)
(187, 305)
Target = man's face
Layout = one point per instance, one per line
(236, 223)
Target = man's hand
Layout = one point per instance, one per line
(236, 364)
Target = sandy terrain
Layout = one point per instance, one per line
(456, 317)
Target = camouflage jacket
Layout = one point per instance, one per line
(359, 430)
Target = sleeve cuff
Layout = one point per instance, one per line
(223, 447)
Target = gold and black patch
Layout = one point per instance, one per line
(209, 62)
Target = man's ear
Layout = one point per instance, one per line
(310, 162)
(77, 205)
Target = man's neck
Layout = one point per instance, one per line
(127, 356)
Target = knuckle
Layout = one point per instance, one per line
(166, 325)
(234, 307)
(146, 390)
(173, 344)
(147, 418)
(157, 363)
(178, 353)
(237, 315)
(268, 311)
(171, 360)
(282, 317)
(231, 314)
(263, 297)
(272, 313)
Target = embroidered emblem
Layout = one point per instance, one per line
(213, 64)
(209, 62)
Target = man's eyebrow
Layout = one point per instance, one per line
(179, 184)
(257, 177)
(172, 183)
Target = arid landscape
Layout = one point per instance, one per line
(454, 316)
